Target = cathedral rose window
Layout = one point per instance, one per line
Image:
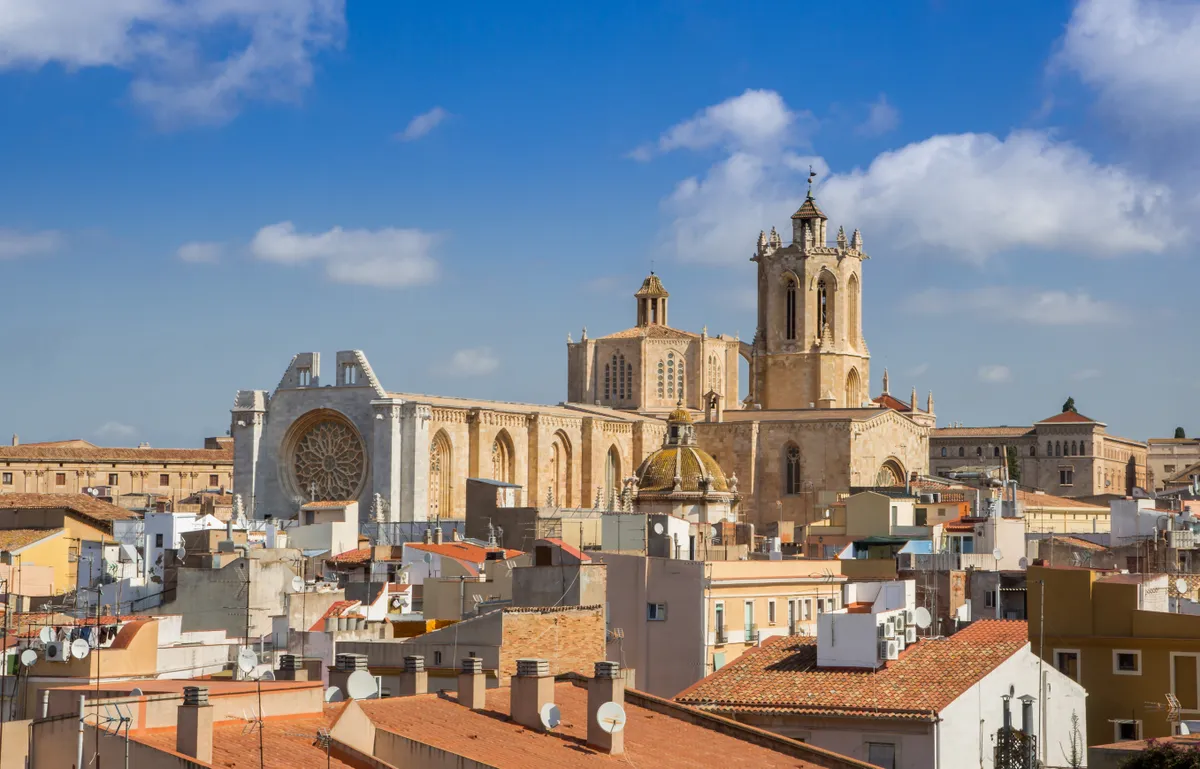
(329, 462)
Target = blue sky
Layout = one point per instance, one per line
(196, 190)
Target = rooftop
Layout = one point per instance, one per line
(1068, 416)
(463, 551)
(1037, 500)
(653, 331)
(12, 540)
(782, 676)
(888, 401)
(653, 738)
(1003, 431)
(81, 451)
(81, 504)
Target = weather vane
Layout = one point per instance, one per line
(811, 175)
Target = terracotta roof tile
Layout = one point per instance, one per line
(652, 739)
(782, 675)
(463, 551)
(653, 331)
(74, 453)
(889, 402)
(80, 504)
(335, 610)
(351, 557)
(15, 539)
(1077, 542)
(1066, 416)
(1038, 501)
(1001, 431)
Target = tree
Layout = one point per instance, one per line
(1069, 405)
(1165, 755)
(1179, 433)
(1014, 466)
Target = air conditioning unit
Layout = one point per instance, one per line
(909, 617)
(890, 632)
(57, 651)
(898, 619)
(910, 635)
(883, 649)
(900, 643)
(893, 651)
(882, 630)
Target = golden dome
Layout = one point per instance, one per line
(680, 414)
(657, 474)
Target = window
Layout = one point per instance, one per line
(349, 374)
(790, 310)
(60, 479)
(1057, 449)
(214, 481)
(1127, 662)
(824, 307)
(748, 622)
(1169, 468)
(922, 517)
(995, 451)
(164, 479)
(979, 451)
(895, 514)
(304, 376)
(1127, 730)
(989, 599)
(881, 754)
(1066, 476)
(806, 609)
(1033, 450)
(113, 480)
(792, 469)
(1067, 663)
(771, 612)
(437, 658)
(943, 451)
(1049, 449)
(719, 622)
(158, 540)
(656, 611)
(7, 479)
(962, 451)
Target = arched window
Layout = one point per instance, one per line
(1057, 449)
(791, 467)
(1033, 450)
(890, 474)
(607, 381)
(853, 390)
(943, 451)
(962, 451)
(441, 473)
(1049, 449)
(852, 309)
(1074, 449)
(560, 471)
(789, 323)
(612, 478)
(714, 374)
(1083, 448)
(823, 306)
(979, 451)
(502, 458)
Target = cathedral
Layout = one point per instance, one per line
(806, 429)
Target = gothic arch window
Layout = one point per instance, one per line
(714, 374)
(607, 381)
(854, 389)
(612, 478)
(1074, 449)
(789, 323)
(826, 289)
(560, 474)
(441, 466)
(791, 469)
(1049, 449)
(502, 458)
(890, 474)
(1057, 449)
(1033, 450)
(853, 311)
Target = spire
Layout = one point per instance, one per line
(885, 382)
(841, 238)
(929, 403)
(912, 404)
(856, 240)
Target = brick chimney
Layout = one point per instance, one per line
(290, 669)
(608, 685)
(472, 684)
(194, 725)
(531, 688)
(414, 679)
(343, 666)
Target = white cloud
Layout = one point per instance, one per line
(994, 374)
(1085, 374)
(1040, 308)
(479, 361)
(199, 252)
(964, 195)
(882, 117)
(385, 257)
(191, 62)
(756, 119)
(14, 244)
(1141, 56)
(423, 124)
(115, 431)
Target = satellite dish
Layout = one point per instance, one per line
(247, 660)
(136, 692)
(46, 635)
(1183, 728)
(1181, 585)
(611, 717)
(997, 554)
(28, 657)
(267, 676)
(550, 716)
(658, 528)
(180, 553)
(1023, 562)
(921, 617)
(297, 584)
(361, 686)
(333, 694)
(428, 558)
(80, 648)
(397, 602)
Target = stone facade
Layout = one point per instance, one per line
(1067, 454)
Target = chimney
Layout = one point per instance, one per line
(437, 534)
(531, 689)
(455, 536)
(194, 725)
(343, 666)
(472, 684)
(16, 440)
(290, 669)
(427, 538)
(608, 685)
(414, 679)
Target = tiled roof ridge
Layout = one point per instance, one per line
(549, 609)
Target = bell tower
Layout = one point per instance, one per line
(651, 302)
(809, 350)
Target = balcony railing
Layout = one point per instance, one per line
(752, 634)
(722, 635)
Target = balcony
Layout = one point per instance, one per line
(722, 635)
(752, 634)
